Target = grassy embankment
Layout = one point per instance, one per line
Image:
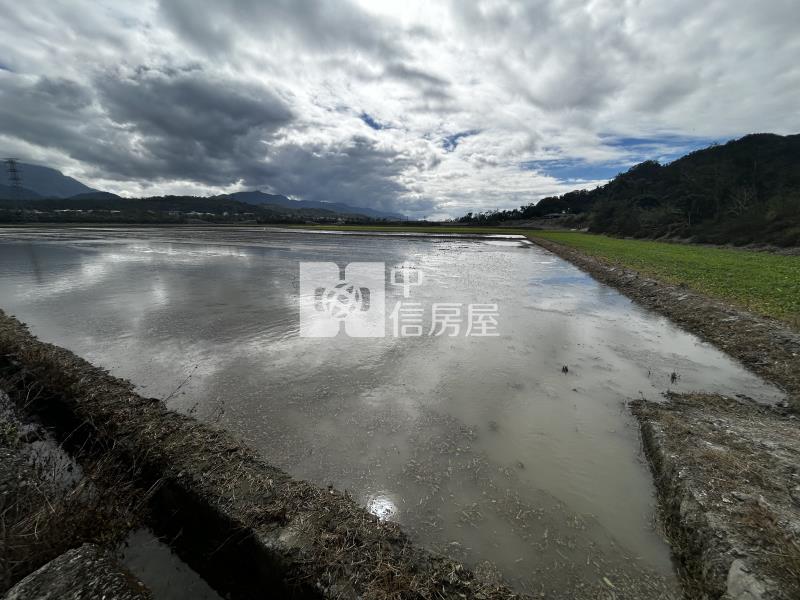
(764, 283)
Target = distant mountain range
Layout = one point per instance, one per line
(6, 191)
(44, 182)
(260, 199)
(39, 182)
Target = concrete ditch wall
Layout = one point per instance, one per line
(247, 527)
(85, 572)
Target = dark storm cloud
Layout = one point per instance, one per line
(185, 124)
(217, 131)
(44, 111)
(62, 94)
(158, 124)
(358, 173)
(193, 112)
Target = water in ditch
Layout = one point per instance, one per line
(485, 448)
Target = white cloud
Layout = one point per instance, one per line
(208, 96)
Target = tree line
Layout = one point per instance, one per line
(745, 191)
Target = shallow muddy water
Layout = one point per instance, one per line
(482, 447)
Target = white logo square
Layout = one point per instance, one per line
(332, 299)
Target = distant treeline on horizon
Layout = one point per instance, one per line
(161, 209)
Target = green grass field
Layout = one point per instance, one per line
(768, 284)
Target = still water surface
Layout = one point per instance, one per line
(482, 447)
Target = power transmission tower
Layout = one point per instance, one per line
(14, 175)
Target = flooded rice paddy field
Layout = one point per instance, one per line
(481, 447)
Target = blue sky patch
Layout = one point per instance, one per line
(371, 121)
(632, 150)
(450, 142)
(574, 170)
(664, 149)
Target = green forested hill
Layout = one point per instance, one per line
(744, 191)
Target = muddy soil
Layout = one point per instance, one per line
(768, 347)
(728, 475)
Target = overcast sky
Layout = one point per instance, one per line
(427, 108)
